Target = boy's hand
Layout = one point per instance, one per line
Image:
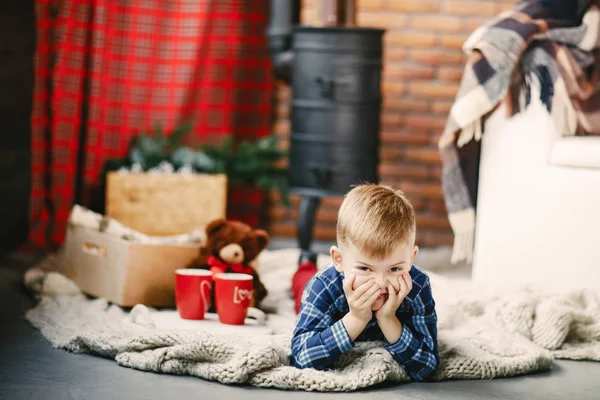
(388, 309)
(361, 299)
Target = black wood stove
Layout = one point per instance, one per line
(335, 74)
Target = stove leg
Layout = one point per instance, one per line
(307, 264)
(306, 223)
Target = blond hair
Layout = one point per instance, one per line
(375, 218)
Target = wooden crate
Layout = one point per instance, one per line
(165, 204)
(123, 272)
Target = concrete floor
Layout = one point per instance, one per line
(31, 369)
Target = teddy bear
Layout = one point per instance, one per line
(233, 246)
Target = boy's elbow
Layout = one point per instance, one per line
(297, 360)
(427, 372)
(423, 376)
(299, 363)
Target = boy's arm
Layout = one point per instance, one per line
(318, 341)
(417, 349)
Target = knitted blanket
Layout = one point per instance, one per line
(535, 48)
(482, 334)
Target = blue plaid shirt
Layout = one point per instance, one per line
(320, 336)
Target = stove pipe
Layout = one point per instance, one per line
(285, 15)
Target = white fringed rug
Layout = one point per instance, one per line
(482, 334)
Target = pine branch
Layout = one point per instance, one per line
(246, 162)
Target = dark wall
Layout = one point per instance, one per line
(17, 38)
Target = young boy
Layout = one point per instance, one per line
(372, 291)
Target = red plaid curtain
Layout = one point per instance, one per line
(106, 69)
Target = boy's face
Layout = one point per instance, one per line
(348, 260)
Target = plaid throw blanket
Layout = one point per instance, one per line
(525, 48)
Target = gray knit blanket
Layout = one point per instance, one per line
(483, 334)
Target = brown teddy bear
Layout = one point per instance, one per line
(233, 246)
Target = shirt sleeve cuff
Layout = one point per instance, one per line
(403, 343)
(340, 336)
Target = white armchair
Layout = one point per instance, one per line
(538, 212)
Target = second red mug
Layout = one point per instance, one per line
(233, 295)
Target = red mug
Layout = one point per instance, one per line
(192, 292)
(233, 295)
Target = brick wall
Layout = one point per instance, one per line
(423, 64)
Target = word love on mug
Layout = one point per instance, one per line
(233, 294)
(240, 295)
